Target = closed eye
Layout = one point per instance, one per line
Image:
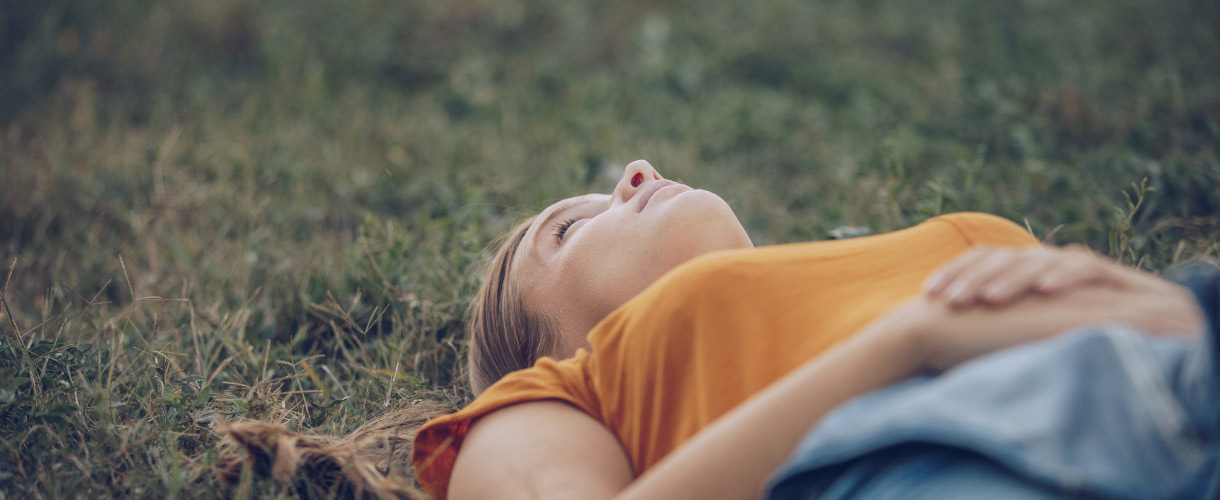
(562, 228)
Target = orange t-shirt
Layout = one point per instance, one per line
(716, 330)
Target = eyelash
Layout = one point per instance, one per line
(562, 228)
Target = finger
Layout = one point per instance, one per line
(1017, 281)
(1069, 273)
(1066, 272)
(968, 284)
(1019, 278)
(1078, 267)
(936, 284)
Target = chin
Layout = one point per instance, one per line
(705, 200)
(706, 223)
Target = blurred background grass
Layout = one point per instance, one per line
(276, 209)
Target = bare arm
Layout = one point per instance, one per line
(733, 457)
(539, 450)
(549, 450)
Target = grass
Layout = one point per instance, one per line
(275, 210)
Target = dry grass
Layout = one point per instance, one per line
(276, 211)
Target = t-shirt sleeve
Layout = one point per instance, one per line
(438, 442)
(988, 230)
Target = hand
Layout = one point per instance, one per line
(998, 276)
(945, 337)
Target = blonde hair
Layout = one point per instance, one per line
(374, 461)
(505, 334)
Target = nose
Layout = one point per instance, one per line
(637, 174)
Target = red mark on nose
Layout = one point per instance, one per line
(637, 179)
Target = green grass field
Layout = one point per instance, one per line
(276, 210)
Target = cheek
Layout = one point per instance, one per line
(577, 273)
(601, 273)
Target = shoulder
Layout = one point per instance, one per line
(438, 442)
(985, 229)
(542, 449)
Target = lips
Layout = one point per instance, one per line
(652, 189)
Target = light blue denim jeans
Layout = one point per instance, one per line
(1104, 412)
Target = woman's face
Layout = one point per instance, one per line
(585, 256)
